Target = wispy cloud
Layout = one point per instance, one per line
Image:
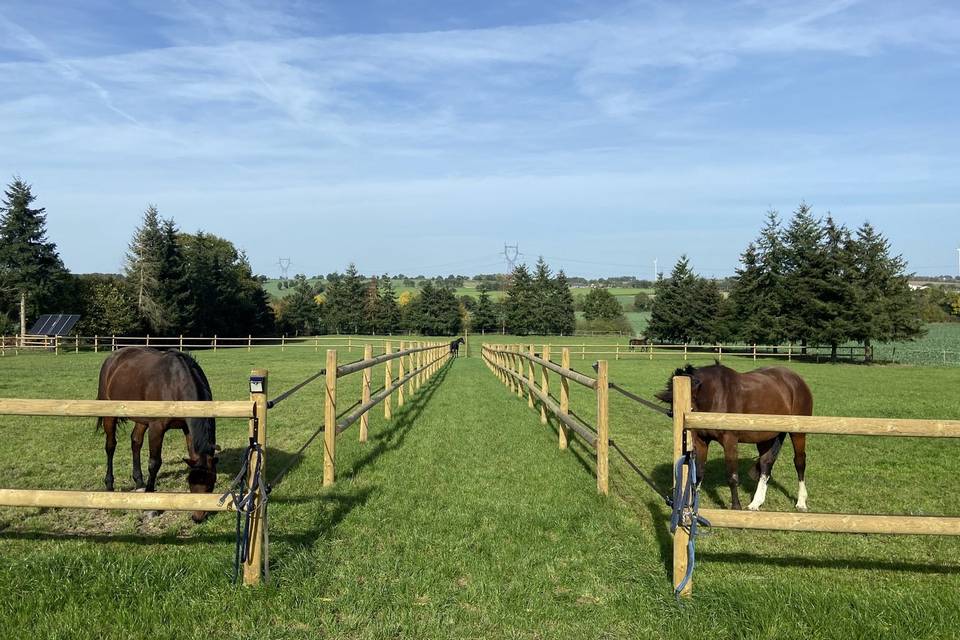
(243, 103)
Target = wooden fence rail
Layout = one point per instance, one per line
(422, 359)
(685, 419)
(254, 410)
(507, 363)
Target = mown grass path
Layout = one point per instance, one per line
(460, 518)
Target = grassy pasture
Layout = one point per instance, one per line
(460, 518)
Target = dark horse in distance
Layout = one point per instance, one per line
(144, 373)
(455, 347)
(769, 390)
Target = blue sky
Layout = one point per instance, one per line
(420, 136)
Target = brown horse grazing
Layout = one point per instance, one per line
(143, 373)
(769, 390)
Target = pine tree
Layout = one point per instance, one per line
(837, 288)
(562, 315)
(599, 304)
(886, 309)
(686, 307)
(29, 263)
(388, 309)
(756, 299)
(805, 274)
(520, 301)
(542, 289)
(371, 308)
(172, 300)
(484, 316)
(301, 314)
(143, 260)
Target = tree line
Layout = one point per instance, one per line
(350, 303)
(810, 282)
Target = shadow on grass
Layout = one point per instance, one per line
(393, 436)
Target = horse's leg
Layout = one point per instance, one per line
(768, 455)
(110, 432)
(191, 455)
(156, 431)
(730, 458)
(700, 449)
(136, 445)
(799, 441)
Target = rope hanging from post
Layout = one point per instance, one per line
(244, 494)
(686, 507)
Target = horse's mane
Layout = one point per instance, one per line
(691, 371)
(204, 436)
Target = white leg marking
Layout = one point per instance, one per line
(802, 496)
(760, 495)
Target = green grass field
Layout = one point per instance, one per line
(461, 519)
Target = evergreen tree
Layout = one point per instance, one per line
(686, 308)
(560, 307)
(837, 288)
(388, 310)
(484, 316)
(29, 263)
(371, 308)
(520, 302)
(886, 309)
(805, 277)
(599, 304)
(756, 298)
(301, 314)
(542, 293)
(142, 262)
(172, 296)
(344, 304)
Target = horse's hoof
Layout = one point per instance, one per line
(803, 508)
(753, 507)
(140, 490)
(150, 515)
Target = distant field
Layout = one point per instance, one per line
(623, 295)
(941, 345)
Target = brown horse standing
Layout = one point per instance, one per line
(143, 373)
(769, 390)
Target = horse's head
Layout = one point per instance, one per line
(202, 475)
(706, 386)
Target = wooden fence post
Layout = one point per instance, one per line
(682, 403)
(530, 378)
(754, 351)
(603, 428)
(544, 384)
(330, 420)
(400, 374)
(254, 564)
(249, 341)
(96, 344)
(583, 352)
(618, 353)
(113, 343)
(411, 368)
(387, 381)
(76, 343)
(214, 343)
(350, 345)
(564, 398)
(365, 392)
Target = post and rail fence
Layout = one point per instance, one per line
(254, 410)
(685, 420)
(515, 365)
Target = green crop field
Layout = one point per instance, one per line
(462, 519)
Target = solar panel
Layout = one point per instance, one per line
(54, 324)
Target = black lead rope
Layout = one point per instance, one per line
(245, 503)
(686, 507)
